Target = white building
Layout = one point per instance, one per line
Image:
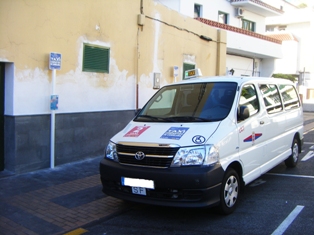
(296, 29)
(249, 51)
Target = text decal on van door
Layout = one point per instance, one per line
(253, 137)
(174, 133)
(136, 131)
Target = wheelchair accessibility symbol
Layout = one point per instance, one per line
(198, 139)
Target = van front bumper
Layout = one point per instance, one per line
(178, 186)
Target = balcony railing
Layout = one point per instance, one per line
(238, 30)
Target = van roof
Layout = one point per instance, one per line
(237, 79)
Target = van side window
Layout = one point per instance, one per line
(271, 98)
(290, 97)
(249, 99)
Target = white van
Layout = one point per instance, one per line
(196, 143)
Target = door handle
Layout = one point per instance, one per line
(261, 122)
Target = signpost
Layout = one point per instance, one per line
(54, 64)
(175, 72)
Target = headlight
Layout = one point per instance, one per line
(111, 152)
(193, 156)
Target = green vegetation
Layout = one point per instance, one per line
(302, 5)
(285, 76)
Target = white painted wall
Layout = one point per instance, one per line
(9, 89)
(244, 43)
(237, 43)
(211, 9)
(242, 66)
(303, 33)
(267, 67)
(289, 62)
(301, 24)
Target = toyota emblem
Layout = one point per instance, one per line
(139, 155)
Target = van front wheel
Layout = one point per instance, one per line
(292, 161)
(230, 191)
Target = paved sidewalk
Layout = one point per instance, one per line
(54, 201)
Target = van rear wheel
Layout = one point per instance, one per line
(292, 161)
(230, 192)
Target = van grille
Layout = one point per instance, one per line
(160, 157)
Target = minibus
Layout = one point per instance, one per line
(198, 142)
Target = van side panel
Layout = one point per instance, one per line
(284, 124)
(227, 143)
(265, 138)
(251, 133)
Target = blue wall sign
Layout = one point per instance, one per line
(54, 61)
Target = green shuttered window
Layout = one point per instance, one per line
(96, 59)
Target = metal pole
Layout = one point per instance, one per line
(52, 125)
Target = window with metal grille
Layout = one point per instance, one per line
(96, 59)
(187, 67)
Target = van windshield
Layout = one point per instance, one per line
(197, 102)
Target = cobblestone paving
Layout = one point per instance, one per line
(53, 201)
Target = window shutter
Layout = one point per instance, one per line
(96, 59)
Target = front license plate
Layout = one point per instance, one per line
(139, 190)
(137, 183)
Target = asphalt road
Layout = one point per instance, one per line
(279, 202)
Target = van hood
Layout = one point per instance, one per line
(181, 134)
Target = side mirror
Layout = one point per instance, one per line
(243, 113)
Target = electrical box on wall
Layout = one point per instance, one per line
(140, 19)
(156, 80)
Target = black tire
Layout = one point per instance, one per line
(292, 160)
(230, 192)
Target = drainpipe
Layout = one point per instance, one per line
(138, 59)
(142, 12)
(137, 68)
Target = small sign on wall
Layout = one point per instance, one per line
(175, 71)
(54, 61)
(54, 100)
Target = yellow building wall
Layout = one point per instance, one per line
(31, 29)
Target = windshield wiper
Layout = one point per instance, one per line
(153, 118)
(147, 116)
(174, 118)
(192, 119)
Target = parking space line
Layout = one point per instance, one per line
(307, 156)
(290, 175)
(286, 223)
(304, 133)
(308, 143)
